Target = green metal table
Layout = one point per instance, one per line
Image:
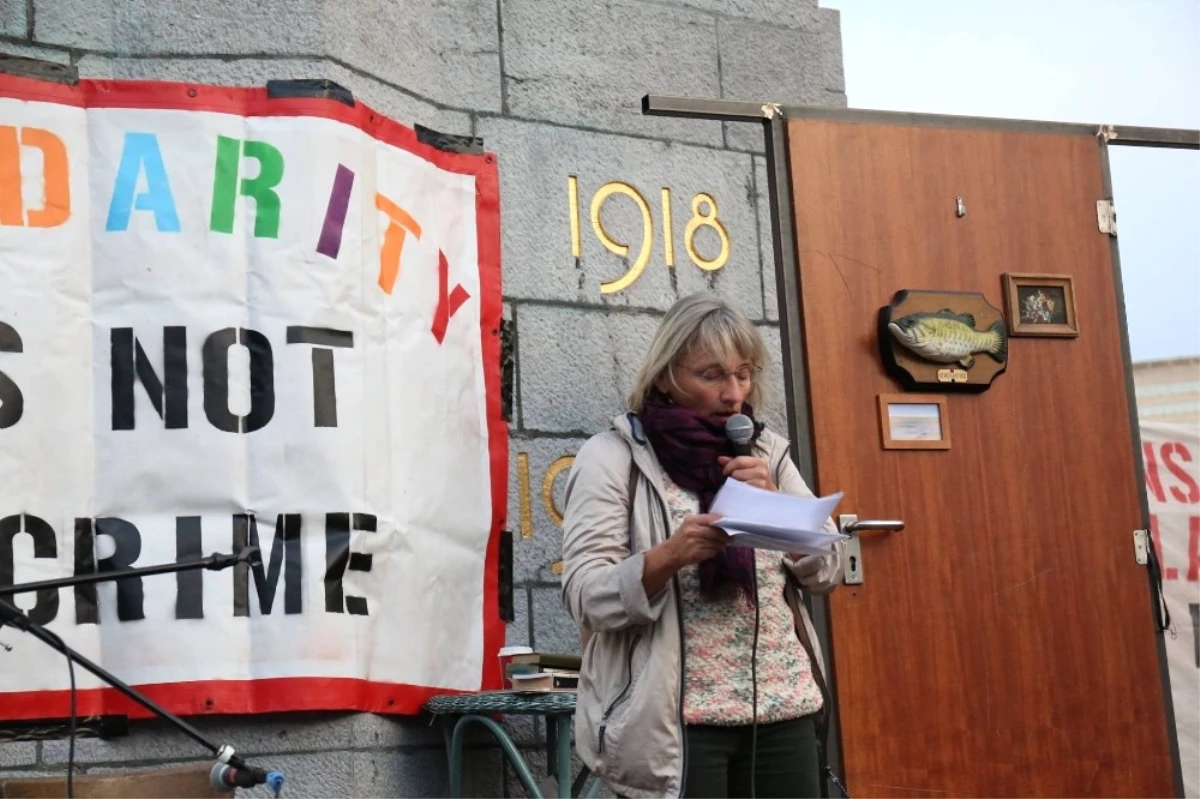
(558, 709)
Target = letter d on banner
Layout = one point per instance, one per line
(56, 187)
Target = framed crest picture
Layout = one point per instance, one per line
(1040, 305)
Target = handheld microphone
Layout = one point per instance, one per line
(227, 778)
(739, 430)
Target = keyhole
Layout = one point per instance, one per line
(853, 563)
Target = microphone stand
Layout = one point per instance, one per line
(12, 615)
(214, 562)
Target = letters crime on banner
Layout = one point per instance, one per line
(230, 320)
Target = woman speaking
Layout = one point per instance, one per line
(701, 670)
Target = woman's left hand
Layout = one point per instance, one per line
(748, 469)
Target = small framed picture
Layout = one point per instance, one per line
(913, 421)
(1040, 305)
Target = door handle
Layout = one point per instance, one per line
(851, 525)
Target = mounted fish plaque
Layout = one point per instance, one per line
(943, 340)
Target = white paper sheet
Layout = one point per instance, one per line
(754, 517)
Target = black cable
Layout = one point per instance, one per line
(754, 685)
(1162, 613)
(62, 647)
(71, 731)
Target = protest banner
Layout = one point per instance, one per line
(1171, 453)
(229, 319)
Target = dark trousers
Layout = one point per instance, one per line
(787, 765)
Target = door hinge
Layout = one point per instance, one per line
(1141, 546)
(1106, 217)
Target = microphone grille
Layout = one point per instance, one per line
(739, 429)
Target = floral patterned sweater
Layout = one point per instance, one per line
(718, 641)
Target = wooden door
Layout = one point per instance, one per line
(1003, 644)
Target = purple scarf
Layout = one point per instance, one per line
(688, 445)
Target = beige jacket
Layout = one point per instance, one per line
(628, 727)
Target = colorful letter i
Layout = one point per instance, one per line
(335, 213)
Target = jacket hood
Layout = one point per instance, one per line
(630, 427)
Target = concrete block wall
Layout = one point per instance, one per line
(554, 88)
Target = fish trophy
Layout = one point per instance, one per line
(949, 337)
(935, 339)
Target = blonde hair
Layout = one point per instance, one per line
(699, 322)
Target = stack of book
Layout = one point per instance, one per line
(543, 671)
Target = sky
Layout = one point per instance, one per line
(1124, 62)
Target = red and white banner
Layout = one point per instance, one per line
(226, 320)
(1171, 453)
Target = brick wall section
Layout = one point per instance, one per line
(554, 87)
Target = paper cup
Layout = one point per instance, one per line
(506, 656)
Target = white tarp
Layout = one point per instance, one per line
(224, 316)
(1171, 453)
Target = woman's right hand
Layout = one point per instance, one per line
(696, 539)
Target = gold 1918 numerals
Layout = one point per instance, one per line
(704, 214)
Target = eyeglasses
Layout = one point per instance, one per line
(716, 376)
